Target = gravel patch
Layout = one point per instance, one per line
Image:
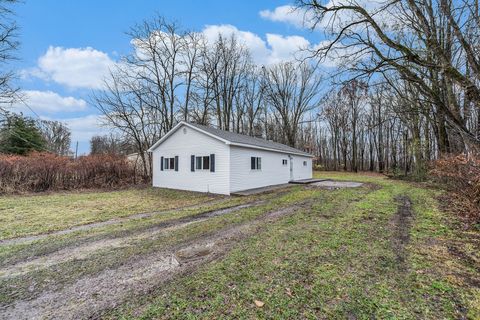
(328, 184)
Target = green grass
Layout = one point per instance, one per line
(334, 261)
(68, 272)
(37, 214)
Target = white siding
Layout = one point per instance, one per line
(299, 170)
(184, 145)
(272, 172)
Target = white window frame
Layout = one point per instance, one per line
(202, 163)
(258, 164)
(167, 162)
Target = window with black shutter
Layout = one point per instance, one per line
(202, 162)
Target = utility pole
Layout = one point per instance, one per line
(76, 150)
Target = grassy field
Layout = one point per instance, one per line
(382, 251)
(31, 215)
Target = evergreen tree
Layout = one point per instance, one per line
(20, 135)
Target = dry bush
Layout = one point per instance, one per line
(45, 171)
(460, 174)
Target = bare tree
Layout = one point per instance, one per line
(8, 45)
(228, 64)
(108, 144)
(123, 107)
(431, 44)
(57, 136)
(291, 90)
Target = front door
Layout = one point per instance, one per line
(291, 167)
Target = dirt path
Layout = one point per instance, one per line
(88, 296)
(402, 222)
(93, 225)
(81, 251)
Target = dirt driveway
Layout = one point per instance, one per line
(39, 286)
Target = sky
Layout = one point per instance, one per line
(67, 47)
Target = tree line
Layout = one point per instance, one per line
(408, 88)
(405, 90)
(21, 135)
(174, 75)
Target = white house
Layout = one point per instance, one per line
(199, 158)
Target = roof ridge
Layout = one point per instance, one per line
(261, 142)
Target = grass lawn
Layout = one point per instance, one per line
(35, 214)
(337, 260)
(383, 251)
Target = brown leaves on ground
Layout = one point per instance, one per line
(289, 292)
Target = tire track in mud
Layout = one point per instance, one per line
(93, 225)
(402, 223)
(137, 216)
(90, 295)
(84, 250)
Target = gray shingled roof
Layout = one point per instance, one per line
(247, 140)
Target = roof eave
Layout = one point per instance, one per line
(299, 153)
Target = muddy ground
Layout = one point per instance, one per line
(88, 296)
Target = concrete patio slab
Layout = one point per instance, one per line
(253, 191)
(307, 181)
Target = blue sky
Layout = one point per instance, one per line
(67, 46)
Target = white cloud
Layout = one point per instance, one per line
(73, 67)
(288, 14)
(285, 48)
(48, 102)
(83, 128)
(274, 49)
(253, 42)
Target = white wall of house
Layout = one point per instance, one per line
(301, 171)
(184, 145)
(272, 171)
(233, 170)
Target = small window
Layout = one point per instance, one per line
(169, 163)
(256, 163)
(284, 162)
(304, 163)
(202, 163)
(206, 163)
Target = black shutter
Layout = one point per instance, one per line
(212, 163)
(192, 163)
(252, 163)
(176, 163)
(161, 163)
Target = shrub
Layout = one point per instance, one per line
(45, 171)
(460, 174)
